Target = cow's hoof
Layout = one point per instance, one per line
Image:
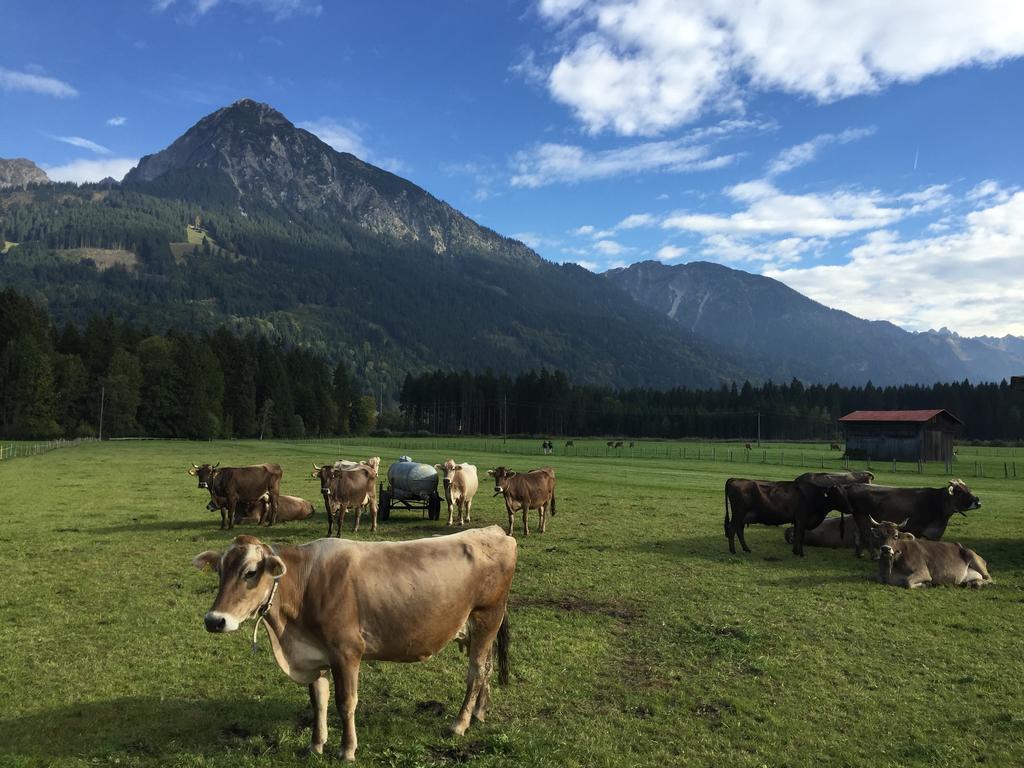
(348, 757)
(457, 729)
(315, 749)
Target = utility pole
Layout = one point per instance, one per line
(504, 418)
(103, 393)
(758, 429)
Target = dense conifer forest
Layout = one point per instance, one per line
(200, 385)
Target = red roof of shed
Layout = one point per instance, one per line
(911, 416)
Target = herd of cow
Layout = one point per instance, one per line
(899, 527)
(344, 601)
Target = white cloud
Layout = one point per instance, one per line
(669, 253)
(970, 279)
(81, 171)
(637, 220)
(569, 164)
(279, 9)
(788, 250)
(990, 191)
(770, 211)
(342, 137)
(801, 154)
(117, 120)
(586, 229)
(611, 248)
(640, 67)
(11, 80)
(78, 141)
(536, 241)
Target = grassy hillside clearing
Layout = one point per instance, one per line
(637, 639)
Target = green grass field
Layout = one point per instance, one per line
(637, 639)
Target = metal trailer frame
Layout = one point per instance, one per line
(387, 498)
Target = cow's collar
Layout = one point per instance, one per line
(265, 608)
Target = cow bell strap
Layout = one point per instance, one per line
(264, 610)
(265, 607)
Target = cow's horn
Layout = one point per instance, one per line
(315, 467)
(195, 466)
(904, 523)
(216, 465)
(874, 522)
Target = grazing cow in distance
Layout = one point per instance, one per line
(610, 443)
(618, 444)
(747, 446)
(630, 443)
(345, 489)
(768, 502)
(460, 486)
(528, 490)
(289, 509)
(570, 444)
(906, 561)
(230, 485)
(926, 510)
(330, 604)
(834, 447)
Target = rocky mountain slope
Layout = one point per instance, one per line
(782, 333)
(20, 172)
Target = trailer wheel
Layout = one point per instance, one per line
(384, 504)
(434, 506)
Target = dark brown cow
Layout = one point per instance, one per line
(834, 447)
(330, 604)
(289, 509)
(926, 510)
(785, 502)
(906, 561)
(530, 490)
(345, 489)
(230, 485)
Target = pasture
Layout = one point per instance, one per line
(637, 640)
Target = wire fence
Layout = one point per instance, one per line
(979, 462)
(18, 450)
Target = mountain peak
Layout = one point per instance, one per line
(20, 172)
(251, 156)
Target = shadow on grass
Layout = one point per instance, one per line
(146, 727)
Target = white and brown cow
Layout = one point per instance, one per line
(460, 486)
(330, 604)
(906, 561)
(526, 490)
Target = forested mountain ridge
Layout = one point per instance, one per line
(780, 333)
(227, 228)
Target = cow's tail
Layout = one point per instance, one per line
(504, 640)
(726, 525)
(552, 502)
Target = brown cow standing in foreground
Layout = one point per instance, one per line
(345, 489)
(532, 490)
(906, 561)
(460, 486)
(330, 604)
(289, 509)
(230, 485)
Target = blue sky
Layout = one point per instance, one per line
(867, 156)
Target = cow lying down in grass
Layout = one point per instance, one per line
(906, 561)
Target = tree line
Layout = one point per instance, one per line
(129, 381)
(548, 404)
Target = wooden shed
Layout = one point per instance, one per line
(900, 435)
